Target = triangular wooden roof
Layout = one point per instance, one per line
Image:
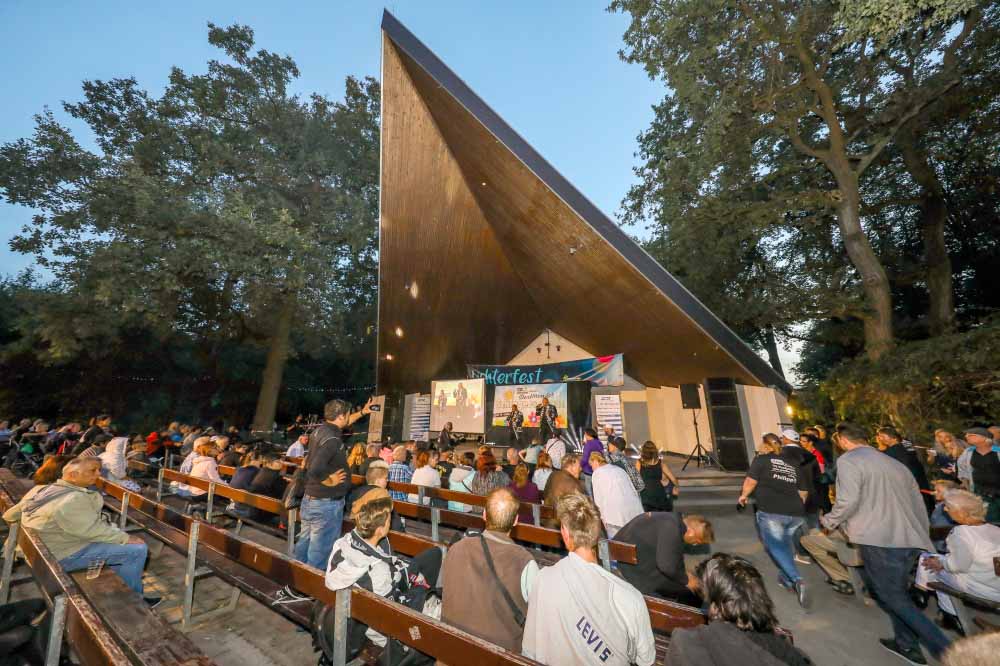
(483, 244)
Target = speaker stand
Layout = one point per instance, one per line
(699, 450)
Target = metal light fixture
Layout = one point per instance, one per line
(399, 331)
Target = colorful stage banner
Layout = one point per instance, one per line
(599, 371)
(527, 397)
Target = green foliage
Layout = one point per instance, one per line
(203, 214)
(884, 20)
(946, 382)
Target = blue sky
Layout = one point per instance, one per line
(551, 69)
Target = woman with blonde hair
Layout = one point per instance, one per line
(943, 456)
(658, 494)
(203, 466)
(543, 470)
(357, 458)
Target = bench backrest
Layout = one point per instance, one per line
(424, 633)
(262, 502)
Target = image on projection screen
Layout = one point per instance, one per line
(459, 401)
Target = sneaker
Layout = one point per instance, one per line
(912, 656)
(287, 595)
(802, 560)
(800, 594)
(153, 602)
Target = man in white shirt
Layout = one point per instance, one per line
(298, 447)
(556, 448)
(614, 494)
(578, 613)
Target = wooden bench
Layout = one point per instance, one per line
(73, 618)
(964, 604)
(259, 571)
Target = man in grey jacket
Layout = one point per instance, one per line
(879, 505)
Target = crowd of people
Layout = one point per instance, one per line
(840, 502)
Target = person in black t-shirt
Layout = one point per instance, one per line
(659, 539)
(890, 443)
(780, 492)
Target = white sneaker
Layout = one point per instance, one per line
(802, 560)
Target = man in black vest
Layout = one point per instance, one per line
(547, 415)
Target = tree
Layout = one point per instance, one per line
(748, 81)
(226, 210)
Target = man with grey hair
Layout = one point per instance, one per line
(496, 575)
(327, 484)
(66, 515)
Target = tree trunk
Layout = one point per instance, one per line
(771, 345)
(270, 384)
(874, 281)
(933, 219)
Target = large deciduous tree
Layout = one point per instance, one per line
(751, 82)
(227, 209)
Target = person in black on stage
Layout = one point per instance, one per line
(442, 401)
(445, 440)
(515, 423)
(547, 415)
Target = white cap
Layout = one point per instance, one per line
(790, 434)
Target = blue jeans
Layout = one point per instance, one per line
(126, 560)
(777, 533)
(886, 572)
(322, 520)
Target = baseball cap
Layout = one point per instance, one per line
(788, 433)
(982, 432)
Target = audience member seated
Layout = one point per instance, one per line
(456, 480)
(659, 540)
(660, 486)
(244, 474)
(298, 447)
(742, 623)
(96, 447)
(525, 490)
(444, 465)
(616, 456)
(371, 455)
(228, 456)
(188, 462)
(490, 577)
(530, 454)
(543, 469)
(513, 460)
(425, 475)
(18, 632)
(204, 466)
(562, 482)
(968, 566)
(363, 557)
(268, 480)
(940, 517)
(51, 470)
(399, 472)
(614, 494)
(377, 477)
(978, 650)
(137, 452)
(356, 458)
(113, 466)
(67, 517)
(488, 476)
(579, 613)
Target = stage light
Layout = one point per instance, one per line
(414, 289)
(388, 357)
(789, 410)
(399, 331)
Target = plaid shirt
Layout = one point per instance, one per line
(620, 460)
(400, 473)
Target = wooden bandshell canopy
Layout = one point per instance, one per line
(483, 244)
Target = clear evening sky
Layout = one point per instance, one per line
(550, 69)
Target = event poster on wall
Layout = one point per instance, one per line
(459, 401)
(608, 410)
(420, 418)
(376, 418)
(527, 397)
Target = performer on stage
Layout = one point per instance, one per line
(515, 422)
(442, 401)
(445, 440)
(547, 415)
(461, 395)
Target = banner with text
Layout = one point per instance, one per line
(420, 418)
(527, 397)
(599, 371)
(608, 410)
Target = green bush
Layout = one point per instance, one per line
(950, 381)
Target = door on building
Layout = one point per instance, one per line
(635, 417)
